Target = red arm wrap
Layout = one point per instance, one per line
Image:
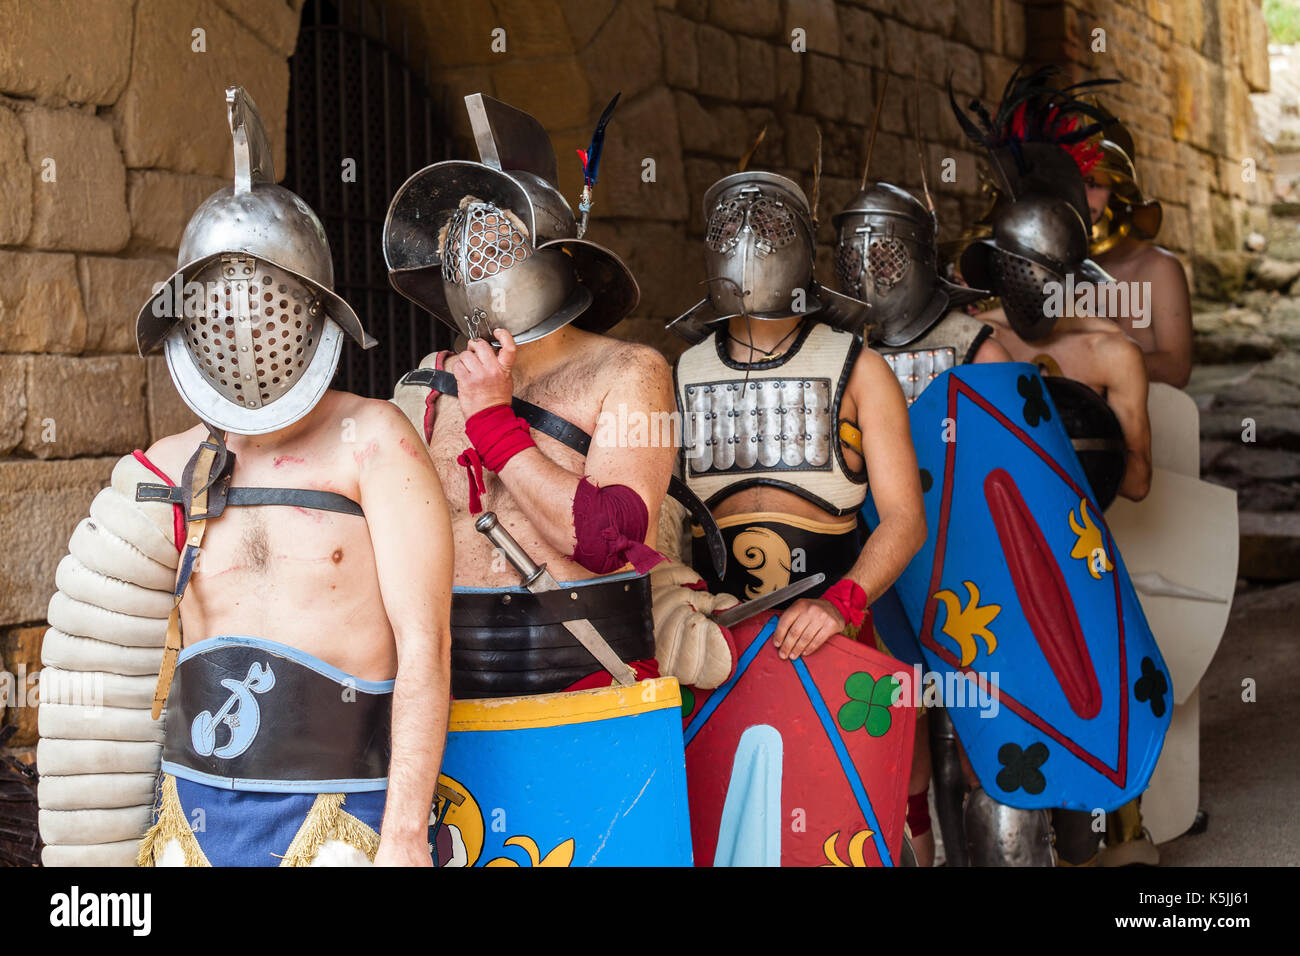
(610, 524)
(497, 434)
(849, 599)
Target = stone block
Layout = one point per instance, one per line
(40, 303)
(625, 54)
(85, 406)
(64, 50)
(756, 66)
(680, 51)
(172, 113)
(167, 414)
(818, 20)
(78, 182)
(113, 291)
(823, 87)
(647, 128)
(719, 67)
(161, 203)
(559, 97)
(15, 181)
(757, 18)
(275, 23)
(40, 503)
(13, 400)
(862, 37)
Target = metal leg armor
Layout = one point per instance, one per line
(998, 835)
(949, 786)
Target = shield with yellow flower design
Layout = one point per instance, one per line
(799, 763)
(1021, 603)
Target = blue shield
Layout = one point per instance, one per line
(1020, 602)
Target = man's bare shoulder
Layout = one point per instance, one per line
(374, 415)
(1163, 265)
(871, 371)
(171, 453)
(617, 360)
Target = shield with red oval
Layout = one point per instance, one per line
(1021, 604)
(800, 762)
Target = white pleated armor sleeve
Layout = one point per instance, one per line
(99, 751)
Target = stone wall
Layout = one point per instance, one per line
(109, 139)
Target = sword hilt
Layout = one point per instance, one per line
(492, 529)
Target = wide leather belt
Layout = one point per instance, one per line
(507, 642)
(768, 553)
(250, 714)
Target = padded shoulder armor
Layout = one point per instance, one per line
(99, 750)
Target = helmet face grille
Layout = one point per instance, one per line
(771, 222)
(255, 333)
(848, 268)
(1019, 283)
(887, 263)
(481, 242)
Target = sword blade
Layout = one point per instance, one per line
(742, 612)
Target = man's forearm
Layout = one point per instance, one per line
(889, 548)
(1171, 368)
(421, 696)
(545, 491)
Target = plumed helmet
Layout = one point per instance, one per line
(494, 244)
(886, 255)
(249, 322)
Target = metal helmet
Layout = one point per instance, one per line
(886, 255)
(493, 244)
(1127, 210)
(759, 254)
(1040, 235)
(249, 322)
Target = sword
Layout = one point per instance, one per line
(742, 612)
(537, 580)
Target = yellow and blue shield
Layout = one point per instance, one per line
(585, 778)
(1020, 595)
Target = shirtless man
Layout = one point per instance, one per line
(307, 698)
(1123, 225)
(516, 423)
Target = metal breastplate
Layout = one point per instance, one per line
(917, 368)
(769, 422)
(952, 341)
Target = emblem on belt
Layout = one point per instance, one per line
(240, 713)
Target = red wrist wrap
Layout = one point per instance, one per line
(497, 434)
(849, 599)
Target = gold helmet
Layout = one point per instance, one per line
(1127, 211)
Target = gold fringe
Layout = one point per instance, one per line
(327, 820)
(171, 825)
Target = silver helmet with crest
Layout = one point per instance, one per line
(886, 254)
(249, 322)
(493, 244)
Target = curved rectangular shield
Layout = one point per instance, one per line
(1020, 593)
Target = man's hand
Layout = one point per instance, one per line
(806, 625)
(408, 852)
(482, 376)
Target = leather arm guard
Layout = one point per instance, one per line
(99, 751)
(689, 644)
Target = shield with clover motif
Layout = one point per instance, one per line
(800, 763)
(1021, 604)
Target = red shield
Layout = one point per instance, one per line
(831, 745)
